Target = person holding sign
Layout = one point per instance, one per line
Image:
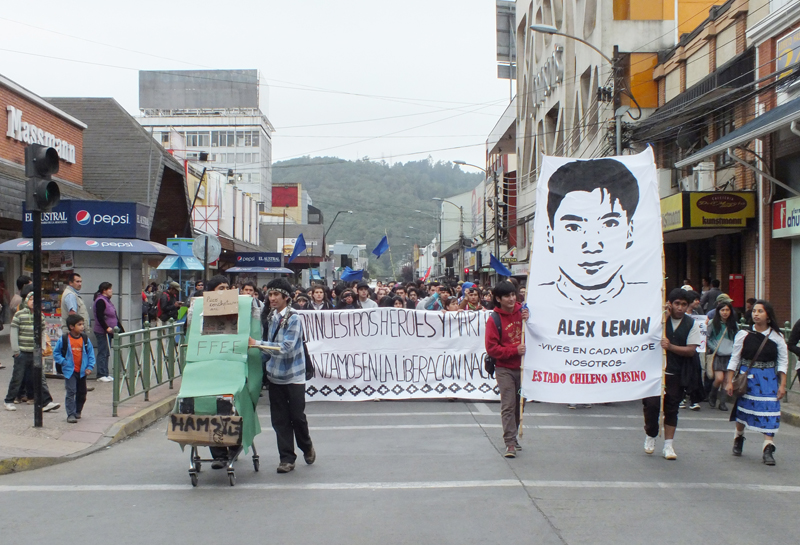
(680, 343)
(286, 373)
(506, 345)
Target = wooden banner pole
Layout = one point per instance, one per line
(663, 336)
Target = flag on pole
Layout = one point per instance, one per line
(349, 275)
(427, 274)
(381, 248)
(497, 266)
(299, 247)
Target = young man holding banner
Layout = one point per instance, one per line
(507, 345)
(680, 342)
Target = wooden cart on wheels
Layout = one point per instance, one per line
(221, 384)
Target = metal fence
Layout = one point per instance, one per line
(145, 359)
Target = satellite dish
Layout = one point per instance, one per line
(199, 248)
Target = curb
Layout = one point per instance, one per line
(119, 431)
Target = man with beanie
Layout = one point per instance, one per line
(286, 375)
(363, 296)
(168, 304)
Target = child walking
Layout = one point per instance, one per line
(75, 354)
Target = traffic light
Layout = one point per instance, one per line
(466, 272)
(41, 193)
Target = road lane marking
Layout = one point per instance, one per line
(484, 409)
(498, 425)
(411, 485)
(488, 412)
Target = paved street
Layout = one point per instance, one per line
(423, 472)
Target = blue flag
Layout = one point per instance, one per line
(381, 248)
(348, 275)
(299, 247)
(499, 267)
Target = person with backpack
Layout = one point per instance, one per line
(168, 304)
(286, 375)
(75, 354)
(506, 344)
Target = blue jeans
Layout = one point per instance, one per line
(102, 353)
(76, 394)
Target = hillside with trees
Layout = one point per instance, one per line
(382, 197)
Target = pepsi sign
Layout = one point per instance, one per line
(258, 259)
(92, 219)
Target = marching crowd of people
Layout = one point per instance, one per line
(747, 366)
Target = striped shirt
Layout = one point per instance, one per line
(22, 331)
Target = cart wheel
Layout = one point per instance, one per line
(231, 478)
(256, 463)
(193, 476)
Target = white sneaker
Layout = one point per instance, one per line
(51, 407)
(105, 379)
(10, 406)
(669, 453)
(649, 444)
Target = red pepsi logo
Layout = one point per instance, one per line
(92, 243)
(238, 258)
(24, 243)
(83, 217)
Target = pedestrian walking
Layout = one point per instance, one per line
(22, 346)
(761, 355)
(680, 343)
(505, 344)
(286, 373)
(347, 300)
(75, 354)
(105, 320)
(721, 333)
(320, 299)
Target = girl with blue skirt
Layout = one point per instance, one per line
(766, 364)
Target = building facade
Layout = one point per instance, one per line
(217, 116)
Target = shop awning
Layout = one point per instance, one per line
(79, 244)
(771, 121)
(273, 270)
(181, 263)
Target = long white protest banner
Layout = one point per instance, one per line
(595, 294)
(395, 353)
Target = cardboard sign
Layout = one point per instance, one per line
(220, 303)
(202, 430)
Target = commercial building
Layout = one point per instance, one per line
(569, 92)
(764, 144)
(219, 116)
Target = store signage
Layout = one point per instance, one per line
(100, 219)
(258, 259)
(672, 212)
(549, 77)
(786, 218)
(707, 209)
(22, 131)
(788, 51)
(721, 208)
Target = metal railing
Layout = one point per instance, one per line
(145, 359)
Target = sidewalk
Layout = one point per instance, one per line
(24, 447)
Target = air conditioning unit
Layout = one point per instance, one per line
(705, 175)
(665, 188)
(688, 183)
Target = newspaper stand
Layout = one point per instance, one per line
(221, 384)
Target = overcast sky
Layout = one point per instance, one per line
(428, 65)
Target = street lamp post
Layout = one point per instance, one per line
(334, 221)
(620, 111)
(460, 234)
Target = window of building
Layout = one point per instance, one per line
(165, 138)
(223, 139)
(197, 139)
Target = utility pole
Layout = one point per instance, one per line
(496, 216)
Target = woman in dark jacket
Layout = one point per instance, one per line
(320, 299)
(721, 333)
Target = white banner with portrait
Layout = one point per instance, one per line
(595, 293)
(395, 353)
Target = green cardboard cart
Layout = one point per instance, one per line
(221, 384)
